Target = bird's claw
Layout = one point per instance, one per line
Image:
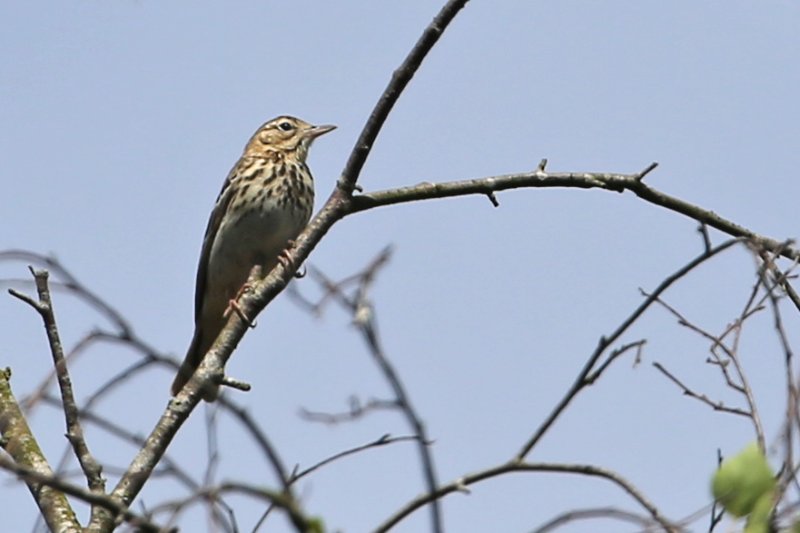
(234, 307)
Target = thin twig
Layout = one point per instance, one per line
(575, 515)
(702, 229)
(279, 499)
(357, 410)
(364, 319)
(514, 466)
(71, 283)
(90, 466)
(717, 406)
(779, 280)
(605, 342)
(258, 435)
(740, 383)
(717, 511)
(394, 89)
(116, 430)
(412, 417)
(381, 441)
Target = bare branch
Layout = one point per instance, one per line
(717, 511)
(391, 94)
(29, 461)
(774, 279)
(717, 406)
(382, 441)
(514, 466)
(589, 514)
(33, 476)
(277, 499)
(581, 381)
(579, 180)
(364, 319)
(270, 452)
(702, 229)
(412, 417)
(637, 345)
(356, 411)
(70, 282)
(89, 464)
(167, 464)
(738, 383)
(647, 170)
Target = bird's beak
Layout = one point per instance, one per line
(316, 131)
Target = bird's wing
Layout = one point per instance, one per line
(221, 206)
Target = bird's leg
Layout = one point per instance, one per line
(234, 307)
(284, 258)
(233, 303)
(287, 262)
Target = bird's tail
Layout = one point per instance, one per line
(194, 356)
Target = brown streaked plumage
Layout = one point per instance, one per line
(265, 202)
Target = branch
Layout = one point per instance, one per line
(717, 406)
(382, 441)
(270, 452)
(71, 283)
(91, 468)
(580, 180)
(582, 380)
(357, 410)
(120, 432)
(461, 484)
(364, 319)
(18, 441)
(588, 514)
(302, 523)
(752, 306)
(398, 83)
(367, 328)
(771, 273)
(65, 518)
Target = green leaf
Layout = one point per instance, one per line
(758, 521)
(742, 481)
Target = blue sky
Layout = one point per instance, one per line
(121, 119)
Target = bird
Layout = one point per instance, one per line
(265, 202)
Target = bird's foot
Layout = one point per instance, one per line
(234, 307)
(287, 262)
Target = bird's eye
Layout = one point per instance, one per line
(286, 126)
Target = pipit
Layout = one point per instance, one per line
(265, 203)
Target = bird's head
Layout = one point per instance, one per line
(285, 134)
